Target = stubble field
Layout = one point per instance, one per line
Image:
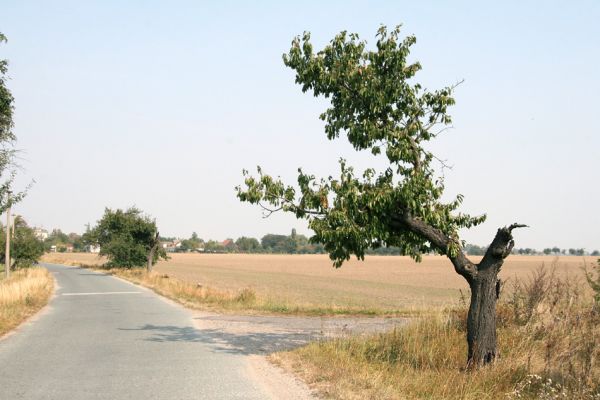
(383, 283)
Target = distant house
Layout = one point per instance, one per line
(91, 248)
(40, 233)
(172, 246)
(227, 242)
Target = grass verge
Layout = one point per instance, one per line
(549, 342)
(22, 295)
(245, 300)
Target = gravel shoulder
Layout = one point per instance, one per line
(255, 337)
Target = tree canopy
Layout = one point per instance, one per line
(377, 104)
(125, 238)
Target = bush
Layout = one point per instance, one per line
(25, 247)
(125, 238)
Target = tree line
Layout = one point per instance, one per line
(272, 243)
(475, 250)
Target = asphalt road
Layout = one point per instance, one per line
(102, 338)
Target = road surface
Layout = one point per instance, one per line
(103, 338)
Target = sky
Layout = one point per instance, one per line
(161, 104)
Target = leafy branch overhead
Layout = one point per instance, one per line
(378, 106)
(7, 139)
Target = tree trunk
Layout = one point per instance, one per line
(152, 251)
(485, 290)
(151, 258)
(482, 279)
(481, 321)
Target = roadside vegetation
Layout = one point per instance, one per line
(22, 295)
(26, 249)
(549, 348)
(128, 238)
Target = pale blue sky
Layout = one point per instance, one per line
(162, 103)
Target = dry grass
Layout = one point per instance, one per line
(549, 344)
(22, 295)
(244, 300)
(385, 283)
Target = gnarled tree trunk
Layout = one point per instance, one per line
(485, 290)
(482, 279)
(481, 320)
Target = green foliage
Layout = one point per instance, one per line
(212, 246)
(125, 238)
(191, 244)
(25, 249)
(475, 250)
(62, 241)
(273, 243)
(381, 109)
(292, 244)
(247, 245)
(576, 252)
(7, 139)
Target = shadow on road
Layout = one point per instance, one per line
(263, 334)
(229, 342)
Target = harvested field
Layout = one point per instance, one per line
(386, 283)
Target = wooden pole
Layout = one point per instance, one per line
(7, 254)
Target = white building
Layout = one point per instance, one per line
(40, 233)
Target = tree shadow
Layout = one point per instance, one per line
(259, 343)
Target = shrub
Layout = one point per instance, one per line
(25, 249)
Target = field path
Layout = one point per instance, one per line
(103, 338)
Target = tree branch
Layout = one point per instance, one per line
(500, 248)
(438, 239)
(294, 207)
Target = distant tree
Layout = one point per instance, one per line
(377, 103)
(385, 251)
(57, 238)
(295, 243)
(77, 242)
(191, 244)
(186, 246)
(595, 253)
(474, 250)
(572, 252)
(213, 246)
(555, 250)
(247, 244)
(26, 248)
(528, 251)
(274, 243)
(230, 246)
(547, 251)
(127, 238)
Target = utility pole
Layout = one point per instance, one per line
(7, 254)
